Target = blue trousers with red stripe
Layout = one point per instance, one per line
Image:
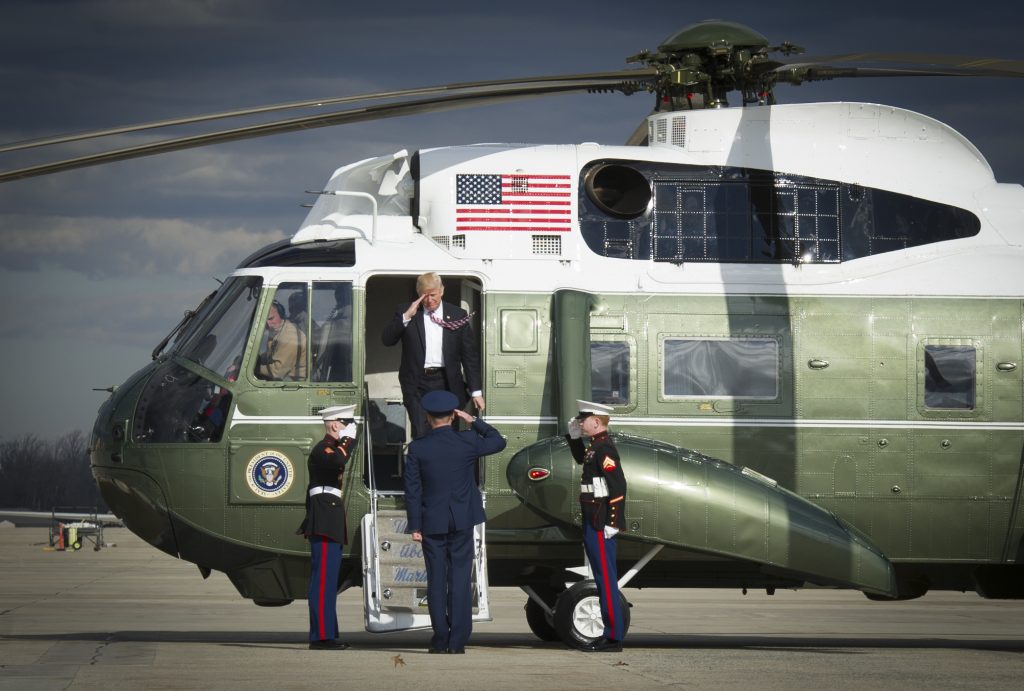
(601, 553)
(323, 588)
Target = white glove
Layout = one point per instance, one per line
(349, 431)
(575, 431)
(610, 532)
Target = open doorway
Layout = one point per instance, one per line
(387, 422)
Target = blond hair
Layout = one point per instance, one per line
(431, 279)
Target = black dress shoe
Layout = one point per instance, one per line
(457, 651)
(436, 651)
(328, 645)
(603, 645)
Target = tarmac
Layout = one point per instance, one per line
(131, 617)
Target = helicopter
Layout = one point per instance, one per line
(805, 316)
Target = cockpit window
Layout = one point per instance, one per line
(178, 406)
(332, 324)
(218, 341)
(307, 334)
(284, 346)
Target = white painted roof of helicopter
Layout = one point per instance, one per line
(867, 144)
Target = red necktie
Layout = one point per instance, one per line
(452, 325)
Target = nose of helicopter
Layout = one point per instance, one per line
(543, 475)
(128, 490)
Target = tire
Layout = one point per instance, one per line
(77, 545)
(578, 615)
(539, 622)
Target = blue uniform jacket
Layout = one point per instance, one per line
(440, 482)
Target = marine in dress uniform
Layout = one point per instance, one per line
(324, 524)
(603, 504)
(443, 503)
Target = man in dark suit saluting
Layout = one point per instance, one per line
(443, 503)
(439, 351)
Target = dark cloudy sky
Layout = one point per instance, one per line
(98, 264)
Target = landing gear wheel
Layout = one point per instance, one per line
(539, 622)
(578, 615)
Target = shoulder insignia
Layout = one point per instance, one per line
(608, 463)
(328, 450)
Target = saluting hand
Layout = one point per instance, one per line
(411, 312)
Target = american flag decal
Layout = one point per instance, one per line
(515, 201)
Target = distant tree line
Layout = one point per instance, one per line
(37, 475)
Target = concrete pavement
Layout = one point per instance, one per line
(132, 617)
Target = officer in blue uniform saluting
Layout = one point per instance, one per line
(443, 503)
(324, 524)
(603, 504)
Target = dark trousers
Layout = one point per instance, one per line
(601, 553)
(323, 588)
(449, 560)
(427, 382)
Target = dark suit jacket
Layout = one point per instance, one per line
(458, 348)
(440, 482)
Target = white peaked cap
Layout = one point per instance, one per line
(338, 412)
(591, 408)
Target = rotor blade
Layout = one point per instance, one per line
(387, 110)
(314, 103)
(812, 72)
(998, 66)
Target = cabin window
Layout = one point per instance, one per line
(609, 372)
(719, 368)
(729, 215)
(218, 341)
(178, 406)
(950, 377)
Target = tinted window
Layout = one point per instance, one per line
(747, 368)
(949, 377)
(609, 373)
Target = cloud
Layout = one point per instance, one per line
(110, 247)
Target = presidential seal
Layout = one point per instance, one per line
(269, 474)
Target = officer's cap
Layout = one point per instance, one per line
(338, 412)
(439, 403)
(588, 408)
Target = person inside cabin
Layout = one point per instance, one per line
(439, 351)
(333, 350)
(285, 354)
(297, 311)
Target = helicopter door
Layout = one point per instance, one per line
(394, 572)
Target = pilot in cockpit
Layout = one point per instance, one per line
(285, 354)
